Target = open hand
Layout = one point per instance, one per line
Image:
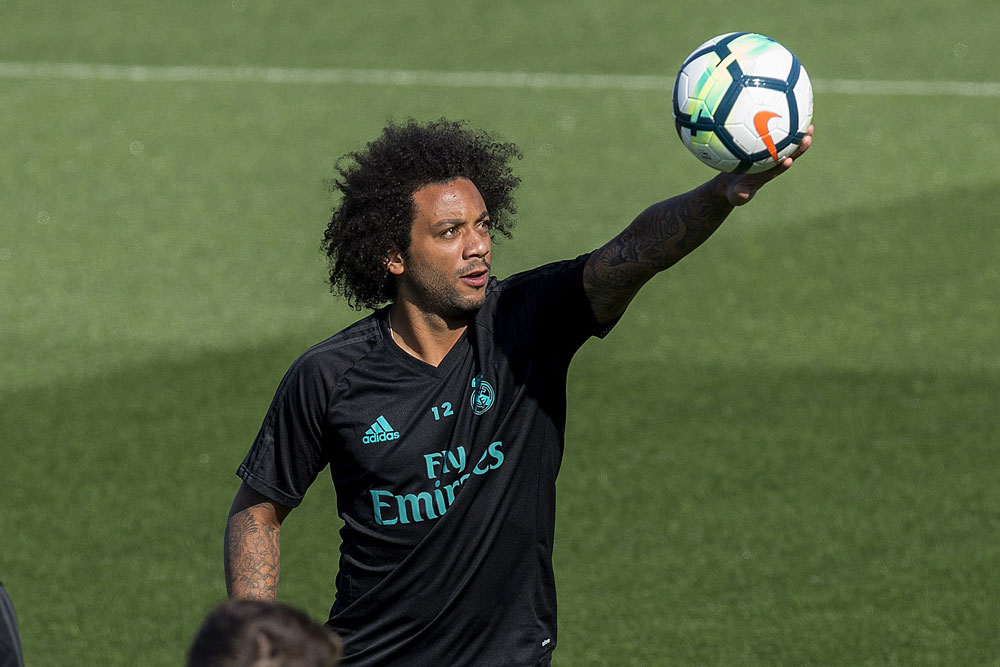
(741, 188)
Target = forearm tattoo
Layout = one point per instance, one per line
(251, 557)
(657, 239)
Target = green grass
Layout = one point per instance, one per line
(783, 455)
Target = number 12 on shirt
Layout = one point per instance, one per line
(445, 411)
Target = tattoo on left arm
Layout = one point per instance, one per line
(656, 240)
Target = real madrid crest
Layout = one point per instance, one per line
(482, 395)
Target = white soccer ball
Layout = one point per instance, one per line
(742, 102)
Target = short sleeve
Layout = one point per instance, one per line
(548, 306)
(288, 452)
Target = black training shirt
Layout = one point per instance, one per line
(445, 476)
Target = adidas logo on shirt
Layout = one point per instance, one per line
(380, 431)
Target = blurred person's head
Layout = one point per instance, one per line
(256, 633)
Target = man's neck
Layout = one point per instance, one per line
(425, 336)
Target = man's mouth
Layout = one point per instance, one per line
(476, 278)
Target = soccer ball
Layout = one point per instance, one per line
(742, 102)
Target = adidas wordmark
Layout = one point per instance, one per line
(380, 431)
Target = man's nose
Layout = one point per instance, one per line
(477, 245)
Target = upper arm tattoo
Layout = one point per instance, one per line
(251, 556)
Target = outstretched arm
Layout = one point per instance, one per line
(252, 549)
(664, 233)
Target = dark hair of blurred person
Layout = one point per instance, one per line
(258, 633)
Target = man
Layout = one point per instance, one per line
(259, 633)
(442, 415)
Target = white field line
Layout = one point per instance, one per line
(431, 78)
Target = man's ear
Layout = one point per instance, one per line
(394, 262)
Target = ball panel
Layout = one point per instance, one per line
(710, 45)
(682, 90)
(701, 86)
(760, 166)
(804, 100)
(709, 148)
(758, 113)
(773, 61)
(729, 166)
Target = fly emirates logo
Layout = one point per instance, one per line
(391, 508)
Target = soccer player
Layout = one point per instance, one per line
(442, 414)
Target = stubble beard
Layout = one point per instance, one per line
(436, 295)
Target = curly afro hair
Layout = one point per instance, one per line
(376, 209)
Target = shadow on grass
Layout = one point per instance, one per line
(781, 516)
(115, 495)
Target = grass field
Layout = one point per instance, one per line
(785, 454)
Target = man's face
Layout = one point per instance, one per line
(447, 266)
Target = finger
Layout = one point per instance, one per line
(763, 177)
(804, 144)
